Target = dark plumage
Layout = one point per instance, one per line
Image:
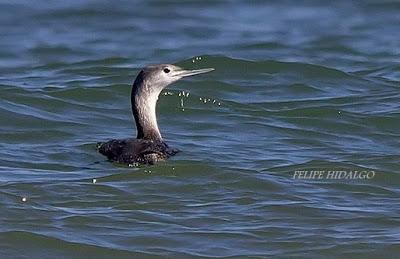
(148, 147)
(140, 151)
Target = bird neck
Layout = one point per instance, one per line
(144, 111)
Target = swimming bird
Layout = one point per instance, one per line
(148, 147)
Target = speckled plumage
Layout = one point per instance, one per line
(136, 151)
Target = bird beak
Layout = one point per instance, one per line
(184, 73)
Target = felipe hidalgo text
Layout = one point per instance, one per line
(333, 174)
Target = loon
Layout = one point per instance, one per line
(148, 147)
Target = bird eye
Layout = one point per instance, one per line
(166, 70)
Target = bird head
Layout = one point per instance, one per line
(156, 78)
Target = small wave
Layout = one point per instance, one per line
(39, 245)
(225, 64)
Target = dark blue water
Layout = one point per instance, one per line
(289, 148)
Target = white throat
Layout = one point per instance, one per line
(144, 110)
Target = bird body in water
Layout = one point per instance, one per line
(148, 147)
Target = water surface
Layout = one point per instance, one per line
(298, 86)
